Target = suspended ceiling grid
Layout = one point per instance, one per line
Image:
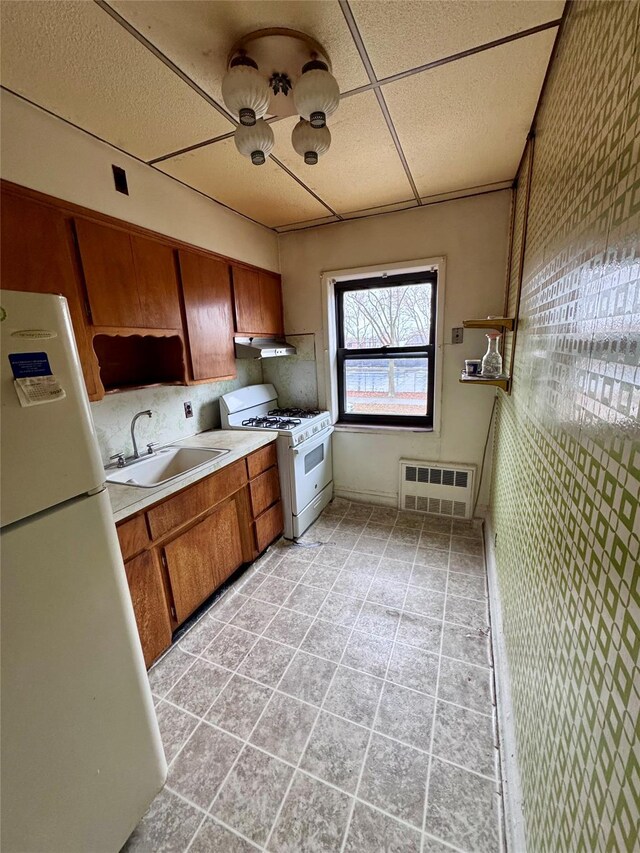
(437, 96)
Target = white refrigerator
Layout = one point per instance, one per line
(81, 751)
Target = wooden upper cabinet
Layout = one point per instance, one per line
(271, 303)
(157, 280)
(258, 302)
(38, 257)
(206, 290)
(246, 299)
(109, 274)
(131, 280)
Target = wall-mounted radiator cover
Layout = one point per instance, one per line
(437, 488)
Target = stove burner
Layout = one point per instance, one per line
(269, 422)
(294, 412)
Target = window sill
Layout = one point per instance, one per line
(374, 428)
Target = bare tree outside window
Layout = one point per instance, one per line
(388, 317)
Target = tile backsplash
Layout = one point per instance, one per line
(112, 416)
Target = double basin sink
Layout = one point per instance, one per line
(162, 466)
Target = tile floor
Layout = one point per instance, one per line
(338, 697)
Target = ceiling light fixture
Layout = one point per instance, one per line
(310, 143)
(255, 141)
(280, 72)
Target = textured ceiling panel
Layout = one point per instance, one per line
(198, 35)
(73, 59)
(362, 167)
(465, 123)
(423, 32)
(265, 193)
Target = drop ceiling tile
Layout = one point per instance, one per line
(198, 35)
(361, 169)
(73, 59)
(423, 32)
(465, 123)
(265, 193)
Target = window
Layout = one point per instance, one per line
(385, 331)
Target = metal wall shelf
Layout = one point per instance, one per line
(503, 382)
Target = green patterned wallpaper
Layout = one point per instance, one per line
(566, 475)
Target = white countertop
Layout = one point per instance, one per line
(127, 500)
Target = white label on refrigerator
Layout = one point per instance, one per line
(35, 390)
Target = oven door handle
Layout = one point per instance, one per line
(312, 443)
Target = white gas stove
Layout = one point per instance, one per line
(304, 450)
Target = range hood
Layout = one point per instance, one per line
(262, 347)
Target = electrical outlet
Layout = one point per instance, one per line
(188, 410)
(456, 335)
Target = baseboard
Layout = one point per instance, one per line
(381, 498)
(515, 836)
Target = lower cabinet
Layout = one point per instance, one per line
(179, 551)
(199, 560)
(144, 576)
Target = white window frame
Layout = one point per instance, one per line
(329, 363)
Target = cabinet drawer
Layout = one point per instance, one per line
(196, 499)
(133, 536)
(268, 526)
(264, 491)
(261, 460)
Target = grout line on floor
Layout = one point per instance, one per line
(373, 723)
(433, 726)
(312, 729)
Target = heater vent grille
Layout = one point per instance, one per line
(437, 489)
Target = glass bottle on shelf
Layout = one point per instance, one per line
(492, 360)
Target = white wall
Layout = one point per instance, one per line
(47, 154)
(472, 234)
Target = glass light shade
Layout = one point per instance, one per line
(316, 96)
(309, 142)
(245, 93)
(255, 142)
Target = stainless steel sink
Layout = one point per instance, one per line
(165, 465)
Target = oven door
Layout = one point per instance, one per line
(312, 469)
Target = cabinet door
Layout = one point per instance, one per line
(38, 257)
(271, 303)
(109, 274)
(149, 604)
(246, 297)
(199, 560)
(206, 289)
(157, 283)
(257, 298)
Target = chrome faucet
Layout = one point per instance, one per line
(148, 413)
